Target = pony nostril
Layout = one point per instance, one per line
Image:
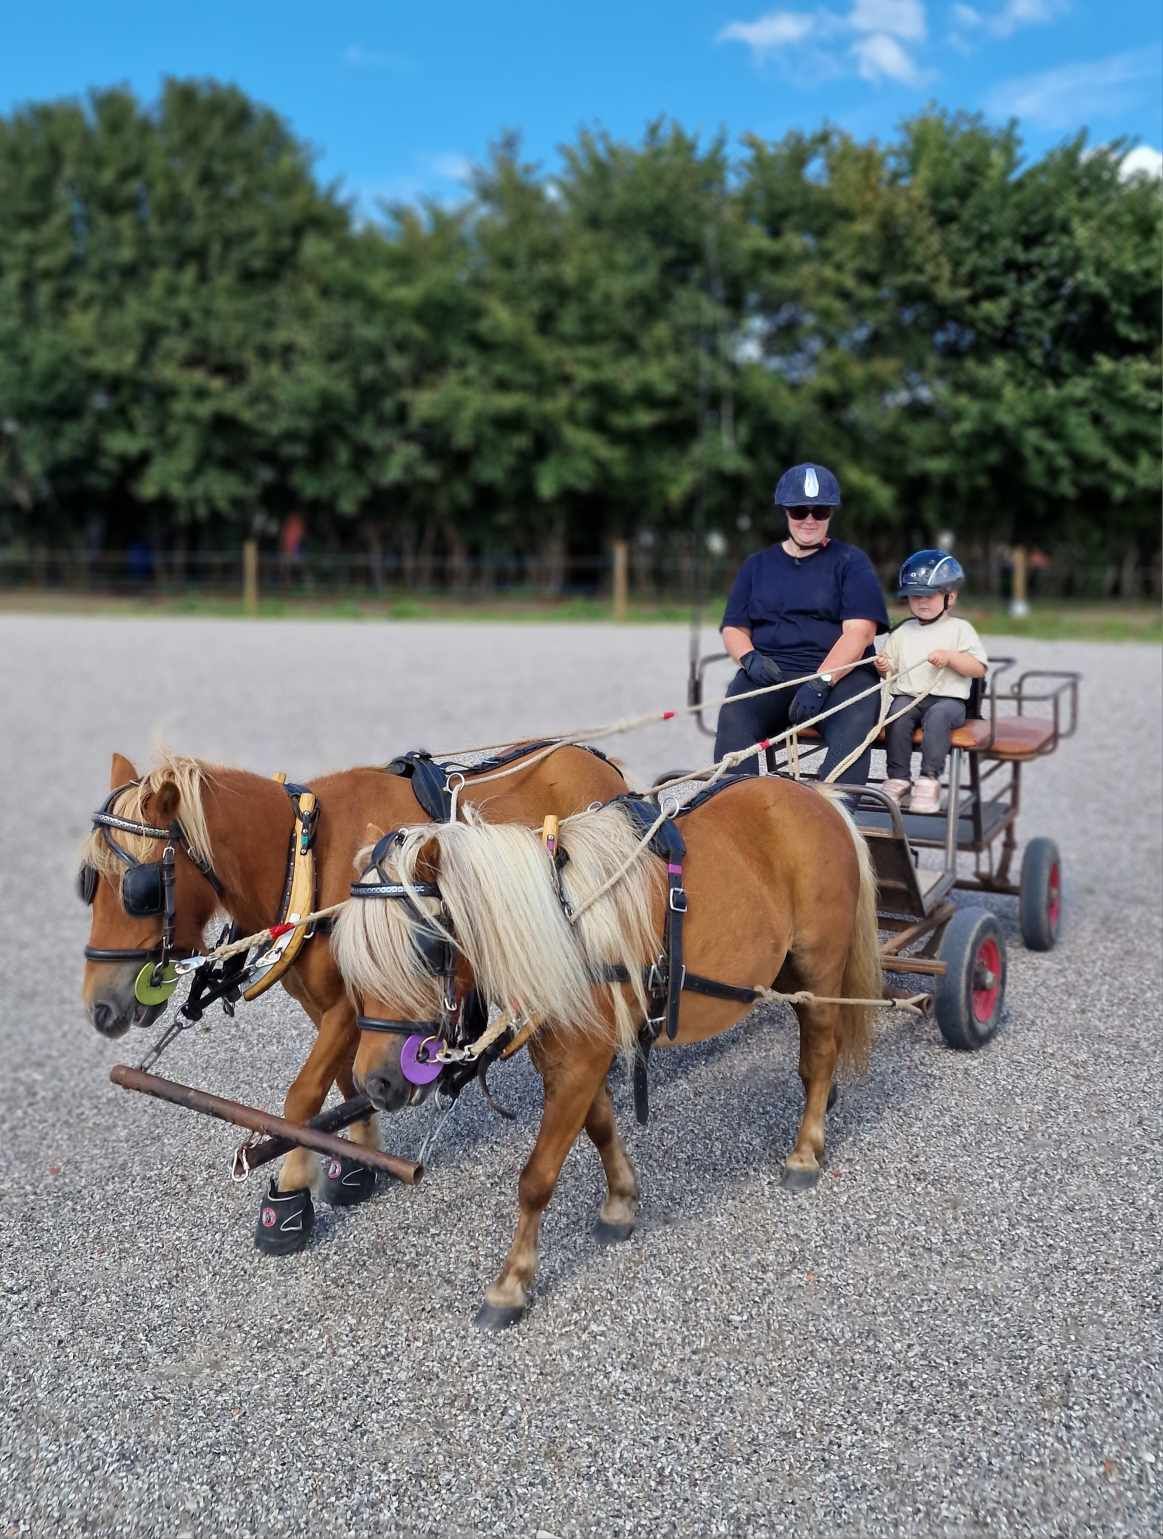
(104, 1016)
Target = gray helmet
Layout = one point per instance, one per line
(807, 486)
(929, 571)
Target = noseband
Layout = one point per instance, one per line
(147, 887)
(436, 952)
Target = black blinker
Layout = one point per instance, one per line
(141, 890)
(87, 883)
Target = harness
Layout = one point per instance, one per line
(436, 782)
(667, 977)
(147, 890)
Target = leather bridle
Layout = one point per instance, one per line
(147, 887)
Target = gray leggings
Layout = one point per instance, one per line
(939, 715)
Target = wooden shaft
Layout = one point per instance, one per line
(263, 1122)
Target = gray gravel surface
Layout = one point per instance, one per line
(957, 1333)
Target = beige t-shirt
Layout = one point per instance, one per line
(910, 644)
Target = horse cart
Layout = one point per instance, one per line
(1012, 722)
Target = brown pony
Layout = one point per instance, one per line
(780, 888)
(235, 831)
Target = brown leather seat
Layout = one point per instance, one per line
(1017, 737)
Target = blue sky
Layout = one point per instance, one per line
(399, 96)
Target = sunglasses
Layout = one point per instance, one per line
(821, 515)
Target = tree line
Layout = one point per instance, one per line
(200, 340)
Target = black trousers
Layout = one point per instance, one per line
(939, 715)
(767, 716)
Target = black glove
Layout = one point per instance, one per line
(808, 701)
(761, 670)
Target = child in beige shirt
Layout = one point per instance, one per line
(932, 650)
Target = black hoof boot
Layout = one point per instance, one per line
(285, 1221)
(612, 1234)
(833, 1095)
(498, 1317)
(794, 1179)
(345, 1182)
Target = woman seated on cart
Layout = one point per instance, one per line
(808, 604)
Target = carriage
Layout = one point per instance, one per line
(1011, 723)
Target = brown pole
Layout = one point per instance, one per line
(250, 576)
(263, 1122)
(340, 1116)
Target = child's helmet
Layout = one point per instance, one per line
(929, 571)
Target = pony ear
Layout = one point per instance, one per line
(373, 833)
(165, 801)
(121, 772)
(426, 867)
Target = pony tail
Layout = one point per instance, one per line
(863, 972)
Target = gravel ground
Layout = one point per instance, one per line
(957, 1333)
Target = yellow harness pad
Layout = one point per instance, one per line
(300, 897)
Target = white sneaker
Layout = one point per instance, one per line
(926, 795)
(897, 789)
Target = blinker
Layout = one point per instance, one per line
(87, 883)
(141, 890)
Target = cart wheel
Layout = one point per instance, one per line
(970, 996)
(1040, 895)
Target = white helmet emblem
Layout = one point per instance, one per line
(811, 484)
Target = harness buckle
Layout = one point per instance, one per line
(677, 900)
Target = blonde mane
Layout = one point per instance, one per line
(500, 892)
(190, 776)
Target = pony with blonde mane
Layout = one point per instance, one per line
(781, 893)
(239, 825)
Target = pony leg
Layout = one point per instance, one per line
(819, 1050)
(333, 1047)
(346, 1182)
(620, 1209)
(572, 1080)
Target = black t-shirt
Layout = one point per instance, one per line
(795, 609)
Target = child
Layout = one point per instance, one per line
(935, 649)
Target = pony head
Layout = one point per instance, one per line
(120, 878)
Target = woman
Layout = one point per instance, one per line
(807, 604)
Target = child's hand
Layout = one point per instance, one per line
(940, 659)
(882, 664)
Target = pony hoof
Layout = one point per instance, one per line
(833, 1096)
(285, 1221)
(612, 1234)
(796, 1179)
(498, 1317)
(346, 1183)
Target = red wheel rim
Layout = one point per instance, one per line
(1054, 895)
(986, 980)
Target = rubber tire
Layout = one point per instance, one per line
(1039, 931)
(964, 936)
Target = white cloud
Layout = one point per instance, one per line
(1070, 96)
(1013, 15)
(880, 29)
(449, 165)
(775, 30)
(1142, 161)
(376, 61)
(881, 57)
(898, 18)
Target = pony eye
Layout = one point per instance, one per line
(87, 884)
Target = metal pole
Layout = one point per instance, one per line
(263, 1122)
(341, 1116)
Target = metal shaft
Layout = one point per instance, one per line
(263, 1122)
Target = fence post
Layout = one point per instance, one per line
(620, 582)
(1019, 608)
(250, 576)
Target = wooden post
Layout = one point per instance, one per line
(621, 565)
(250, 576)
(1019, 608)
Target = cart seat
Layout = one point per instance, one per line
(1016, 737)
